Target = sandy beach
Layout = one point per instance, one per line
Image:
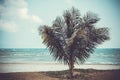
(87, 74)
(37, 67)
(45, 71)
(57, 71)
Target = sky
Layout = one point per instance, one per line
(20, 19)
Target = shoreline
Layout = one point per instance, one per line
(43, 67)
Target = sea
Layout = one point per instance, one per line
(42, 55)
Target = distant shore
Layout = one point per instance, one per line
(38, 67)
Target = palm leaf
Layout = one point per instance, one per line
(53, 44)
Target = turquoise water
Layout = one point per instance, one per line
(100, 56)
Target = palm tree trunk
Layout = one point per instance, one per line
(71, 66)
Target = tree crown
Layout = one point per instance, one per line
(73, 36)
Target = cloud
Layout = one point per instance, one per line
(15, 3)
(23, 12)
(70, 2)
(36, 19)
(8, 26)
(13, 10)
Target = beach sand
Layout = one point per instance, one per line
(83, 74)
(56, 71)
(36, 67)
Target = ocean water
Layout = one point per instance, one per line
(100, 56)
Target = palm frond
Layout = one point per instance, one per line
(99, 35)
(91, 18)
(54, 45)
(73, 20)
(79, 45)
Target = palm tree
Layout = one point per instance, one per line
(72, 38)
